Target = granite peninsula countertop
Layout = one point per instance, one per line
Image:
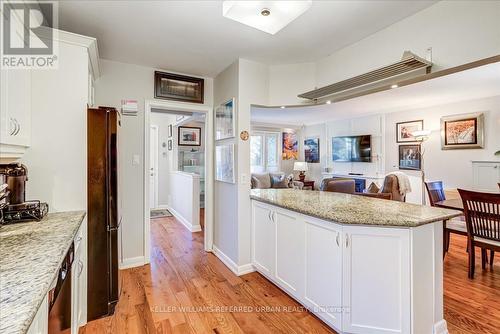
(352, 209)
(30, 256)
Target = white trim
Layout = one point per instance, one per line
(209, 172)
(184, 221)
(441, 327)
(132, 262)
(237, 270)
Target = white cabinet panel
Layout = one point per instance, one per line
(290, 251)
(264, 242)
(376, 293)
(486, 175)
(323, 270)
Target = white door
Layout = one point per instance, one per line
(263, 239)
(376, 292)
(323, 270)
(153, 167)
(290, 252)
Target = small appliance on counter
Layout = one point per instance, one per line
(13, 205)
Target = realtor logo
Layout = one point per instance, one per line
(28, 34)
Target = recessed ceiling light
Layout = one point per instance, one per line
(282, 107)
(257, 14)
(328, 102)
(394, 86)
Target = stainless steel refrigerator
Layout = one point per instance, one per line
(102, 212)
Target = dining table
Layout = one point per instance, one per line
(452, 203)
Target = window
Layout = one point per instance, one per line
(264, 152)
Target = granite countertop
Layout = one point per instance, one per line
(353, 209)
(30, 256)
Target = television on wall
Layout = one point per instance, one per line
(352, 149)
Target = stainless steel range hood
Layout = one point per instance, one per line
(365, 83)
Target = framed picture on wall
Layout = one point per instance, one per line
(311, 150)
(404, 130)
(189, 136)
(224, 163)
(177, 87)
(410, 157)
(462, 131)
(225, 120)
(290, 146)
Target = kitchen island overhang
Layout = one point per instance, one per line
(362, 265)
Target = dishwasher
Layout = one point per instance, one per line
(60, 298)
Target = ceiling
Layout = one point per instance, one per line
(193, 37)
(472, 84)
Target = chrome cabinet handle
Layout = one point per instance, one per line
(18, 127)
(337, 239)
(80, 268)
(13, 126)
(79, 239)
(269, 215)
(346, 240)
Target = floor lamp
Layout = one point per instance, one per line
(421, 136)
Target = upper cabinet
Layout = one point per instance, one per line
(26, 94)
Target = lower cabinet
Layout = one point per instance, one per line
(355, 278)
(79, 280)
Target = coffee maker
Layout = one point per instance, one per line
(15, 207)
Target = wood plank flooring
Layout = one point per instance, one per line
(185, 290)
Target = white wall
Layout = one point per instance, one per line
(185, 205)
(288, 81)
(57, 157)
(125, 81)
(315, 169)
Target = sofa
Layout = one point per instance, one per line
(390, 188)
(276, 180)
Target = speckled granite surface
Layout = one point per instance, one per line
(30, 256)
(352, 209)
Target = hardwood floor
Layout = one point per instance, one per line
(185, 290)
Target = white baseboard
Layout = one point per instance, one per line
(184, 221)
(132, 262)
(237, 270)
(441, 327)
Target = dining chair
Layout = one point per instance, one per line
(482, 214)
(457, 225)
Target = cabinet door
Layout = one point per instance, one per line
(323, 270)
(486, 176)
(376, 292)
(15, 114)
(75, 289)
(290, 251)
(264, 242)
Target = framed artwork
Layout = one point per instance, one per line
(462, 131)
(170, 144)
(224, 163)
(290, 146)
(311, 150)
(177, 87)
(170, 131)
(225, 120)
(404, 130)
(189, 136)
(410, 157)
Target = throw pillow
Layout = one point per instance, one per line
(373, 188)
(261, 181)
(279, 181)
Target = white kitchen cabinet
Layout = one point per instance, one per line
(15, 112)
(486, 175)
(40, 323)
(357, 278)
(323, 270)
(376, 270)
(79, 280)
(264, 238)
(290, 256)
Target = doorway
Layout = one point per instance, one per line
(189, 165)
(153, 167)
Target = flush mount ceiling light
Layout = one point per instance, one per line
(268, 16)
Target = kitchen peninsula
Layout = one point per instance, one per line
(362, 265)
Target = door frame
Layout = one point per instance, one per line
(156, 148)
(209, 170)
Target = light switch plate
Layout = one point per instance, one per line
(136, 160)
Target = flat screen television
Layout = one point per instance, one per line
(352, 148)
